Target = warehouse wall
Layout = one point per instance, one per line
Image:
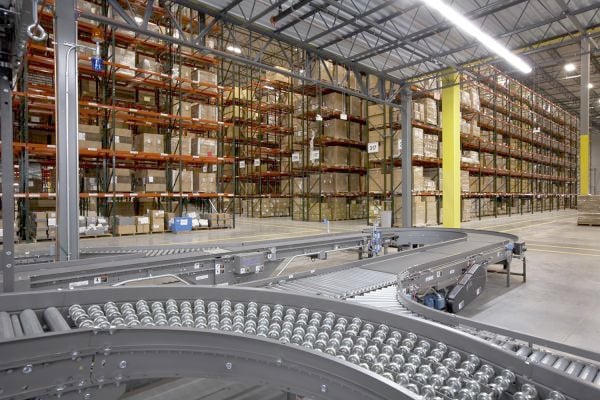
(595, 164)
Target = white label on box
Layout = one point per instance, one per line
(150, 179)
(205, 168)
(295, 157)
(242, 164)
(117, 139)
(314, 155)
(257, 162)
(217, 269)
(318, 118)
(196, 265)
(373, 147)
(73, 285)
(81, 136)
(214, 167)
(343, 116)
(183, 222)
(143, 220)
(201, 277)
(97, 280)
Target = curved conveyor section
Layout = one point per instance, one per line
(77, 340)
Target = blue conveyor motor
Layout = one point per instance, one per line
(435, 300)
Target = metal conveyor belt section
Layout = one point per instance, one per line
(339, 284)
(297, 335)
(51, 346)
(416, 271)
(386, 299)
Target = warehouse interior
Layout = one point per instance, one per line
(299, 199)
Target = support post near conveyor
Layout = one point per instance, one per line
(407, 184)
(67, 126)
(584, 119)
(8, 179)
(451, 150)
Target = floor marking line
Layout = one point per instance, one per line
(526, 220)
(529, 226)
(563, 247)
(563, 252)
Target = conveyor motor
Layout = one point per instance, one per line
(468, 287)
(249, 263)
(435, 300)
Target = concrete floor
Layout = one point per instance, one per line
(559, 301)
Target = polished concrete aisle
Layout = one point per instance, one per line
(560, 299)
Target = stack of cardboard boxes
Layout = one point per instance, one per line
(204, 147)
(149, 143)
(182, 180)
(125, 225)
(89, 137)
(150, 181)
(204, 182)
(121, 180)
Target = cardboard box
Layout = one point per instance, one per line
(430, 110)
(204, 111)
(157, 220)
(204, 182)
(121, 180)
(335, 156)
(126, 58)
(151, 180)
(142, 224)
(149, 143)
(125, 229)
(204, 80)
(183, 146)
(204, 147)
(183, 177)
(183, 107)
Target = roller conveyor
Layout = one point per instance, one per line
(374, 344)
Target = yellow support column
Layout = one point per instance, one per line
(451, 150)
(584, 165)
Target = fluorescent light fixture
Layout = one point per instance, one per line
(139, 20)
(590, 85)
(234, 49)
(570, 67)
(469, 27)
(269, 87)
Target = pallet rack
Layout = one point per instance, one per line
(113, 100)
(276, 149)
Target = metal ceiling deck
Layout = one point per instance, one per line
(404, 38)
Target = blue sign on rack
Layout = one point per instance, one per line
(97, 64)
